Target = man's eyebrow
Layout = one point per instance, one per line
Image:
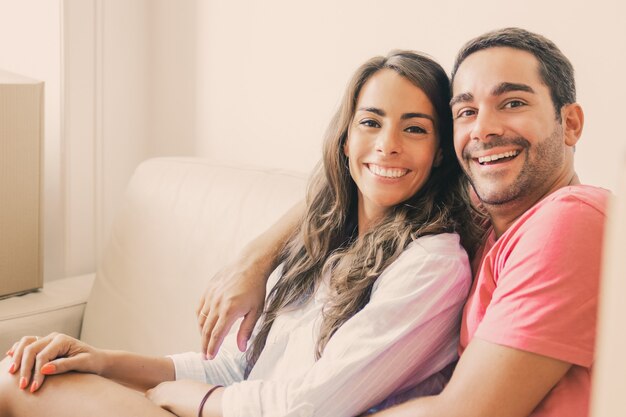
(497, 90)
(508, 87)
(461, 98)
(405, 116)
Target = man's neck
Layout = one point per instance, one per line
(504, 215)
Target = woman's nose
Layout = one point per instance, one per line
(389, 142)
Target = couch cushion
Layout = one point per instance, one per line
(181, 221)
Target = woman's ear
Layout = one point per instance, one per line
(573, 120)
(438, 158)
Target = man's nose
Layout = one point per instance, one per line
(487, 124)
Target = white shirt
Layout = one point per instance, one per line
(407, 332)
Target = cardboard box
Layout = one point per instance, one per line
(21, 161)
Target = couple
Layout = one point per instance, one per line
(366, 302)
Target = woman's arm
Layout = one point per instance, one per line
(406, 333)
(35, 358)
(238, 290)
(137, 371)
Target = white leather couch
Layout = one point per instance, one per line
(185, 218)
(182, 219)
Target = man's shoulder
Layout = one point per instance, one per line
(572, 212)
(595, 198)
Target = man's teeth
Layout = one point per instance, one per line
(491, 158)
(387, 172)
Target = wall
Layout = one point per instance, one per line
(30, 44)
(129, 95)
(248, 83)
(271, 73)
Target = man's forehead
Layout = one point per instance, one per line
(491, 67)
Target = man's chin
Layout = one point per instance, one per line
(496, 197)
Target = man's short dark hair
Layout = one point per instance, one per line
(555, 69)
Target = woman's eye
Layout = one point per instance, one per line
(369, 123)
(513, 104)
(415, 129)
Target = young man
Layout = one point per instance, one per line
(528, 328)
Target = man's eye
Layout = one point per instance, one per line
(513, 104)
(415, 129)
(369, 123)
(466, 113)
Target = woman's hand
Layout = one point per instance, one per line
(56, 353)
(239, 289)
(183, 398)
(234, 292)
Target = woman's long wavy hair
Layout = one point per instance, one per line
(327, 241)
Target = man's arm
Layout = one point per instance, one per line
(489, 380)
(238, 290)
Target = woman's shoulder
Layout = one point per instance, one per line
(429, 259)
(441, 244)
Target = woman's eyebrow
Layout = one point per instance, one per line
(374, 110)
(419, 115)
(405, 116)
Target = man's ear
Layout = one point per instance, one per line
(438, 158)
(573, 120)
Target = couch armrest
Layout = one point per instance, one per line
(58, 307)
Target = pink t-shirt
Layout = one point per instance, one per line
(537, 290)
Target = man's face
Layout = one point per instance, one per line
(506, 134)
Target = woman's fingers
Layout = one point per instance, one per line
(25, 356)
(12, 350)
(246, 328)
(234, 292)
(207, 329)
(44, 360)
(203, 308)
(18, 352)
(219, 331)
(37, 357)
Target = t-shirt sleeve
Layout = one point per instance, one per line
(546, 295)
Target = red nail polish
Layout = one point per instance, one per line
(10, 353)
(23, 383)
(34, 387)
(12, 368)
(48, 369)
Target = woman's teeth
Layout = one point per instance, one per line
(387, 172)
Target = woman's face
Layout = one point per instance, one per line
(392, 144)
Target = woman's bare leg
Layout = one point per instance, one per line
(72, 394)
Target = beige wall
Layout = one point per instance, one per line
(30, 44)
(270, 73)
(129, 95)
(248, 83)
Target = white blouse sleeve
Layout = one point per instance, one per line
(407, 332)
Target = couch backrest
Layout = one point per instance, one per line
(609, 385)
(182, 219)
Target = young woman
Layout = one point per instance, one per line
(364, 305)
